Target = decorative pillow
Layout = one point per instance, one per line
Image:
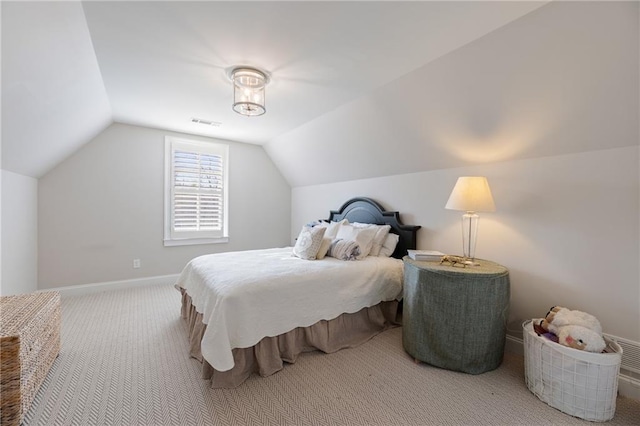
(308, 242)
(362, 236)
(344, 250)
(324, 248)
(332, 227)
(381, 234)
(389, 245)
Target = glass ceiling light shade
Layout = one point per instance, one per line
(248, 91)
(471, 194)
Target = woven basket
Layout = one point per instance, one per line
(29, 343)
(582, 384)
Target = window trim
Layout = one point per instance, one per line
(200, 146)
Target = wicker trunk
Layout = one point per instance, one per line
(29, 343)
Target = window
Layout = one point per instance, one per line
(196, 192)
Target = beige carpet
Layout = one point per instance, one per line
(124, 361)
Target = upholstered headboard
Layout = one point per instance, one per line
(366, 210)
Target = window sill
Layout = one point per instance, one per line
(194, 241)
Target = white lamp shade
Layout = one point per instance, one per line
(471, 194)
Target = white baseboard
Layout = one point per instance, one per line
(82, 289)
(514, 345)
(628, 386)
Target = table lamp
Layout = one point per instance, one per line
(471, 194)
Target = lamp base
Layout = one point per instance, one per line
(469, 234)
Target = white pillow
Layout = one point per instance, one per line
(308, 242)
(344, 250)
(362, 236)
(381, 234)
(324, 248)
(332, 227)
(389, 245)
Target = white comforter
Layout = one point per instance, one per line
(246, 296)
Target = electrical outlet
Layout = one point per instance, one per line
(136, 263)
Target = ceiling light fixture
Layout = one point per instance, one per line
(248, 91)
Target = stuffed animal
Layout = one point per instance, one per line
(559, 316)
(575, 329)
(581, 338)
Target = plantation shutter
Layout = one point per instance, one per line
(198, 189)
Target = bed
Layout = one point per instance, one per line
(252, 311)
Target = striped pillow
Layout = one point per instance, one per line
(344, 250)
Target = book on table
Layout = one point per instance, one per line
(425, 255)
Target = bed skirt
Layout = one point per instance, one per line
(269, 354)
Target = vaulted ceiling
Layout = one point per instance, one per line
(70, 69)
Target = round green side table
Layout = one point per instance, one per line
(455, 317)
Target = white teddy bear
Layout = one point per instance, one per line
(576, 329)
(582, 338)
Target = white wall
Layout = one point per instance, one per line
(547, 108)
(1, 291)
(19, 234)
(562, 79)
(52, 88)
(566, 227)
(103, 207)
(1, 163)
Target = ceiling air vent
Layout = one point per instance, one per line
(206, 122)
